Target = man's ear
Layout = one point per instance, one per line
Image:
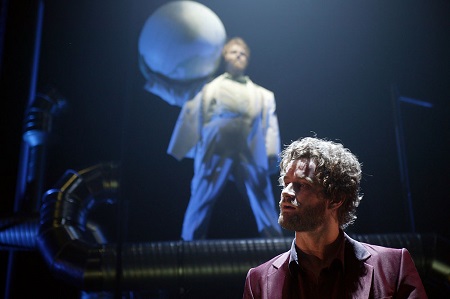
(335, 203)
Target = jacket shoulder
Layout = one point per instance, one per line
(377, 251)
(262, 89)
(274, 263)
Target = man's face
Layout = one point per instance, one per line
(236, 59)
(302, 206)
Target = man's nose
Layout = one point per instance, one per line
(288, 192)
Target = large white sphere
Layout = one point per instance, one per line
(182, 40)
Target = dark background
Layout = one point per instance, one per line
(331, 64)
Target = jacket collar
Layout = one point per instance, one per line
(361, 252)
(363, 281)
(241, 79)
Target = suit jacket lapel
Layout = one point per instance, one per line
(276, 278)
(356, 254)
(365, 283)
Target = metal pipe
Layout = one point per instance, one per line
(24, 158)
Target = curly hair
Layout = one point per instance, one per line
(338, 171)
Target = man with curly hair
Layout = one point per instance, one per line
(321, 191)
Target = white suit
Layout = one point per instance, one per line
(231, 130)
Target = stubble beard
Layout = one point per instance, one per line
(236, 67)
(309, 219)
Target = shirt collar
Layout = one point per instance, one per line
(240, 79)
(294, 258)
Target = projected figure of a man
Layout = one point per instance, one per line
(230, 128)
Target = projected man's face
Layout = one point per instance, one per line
(236, 59)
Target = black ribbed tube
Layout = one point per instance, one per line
(195, 264)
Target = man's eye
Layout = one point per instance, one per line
(301, 186)
(305, 185)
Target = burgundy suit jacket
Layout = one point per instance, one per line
(370, 272)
